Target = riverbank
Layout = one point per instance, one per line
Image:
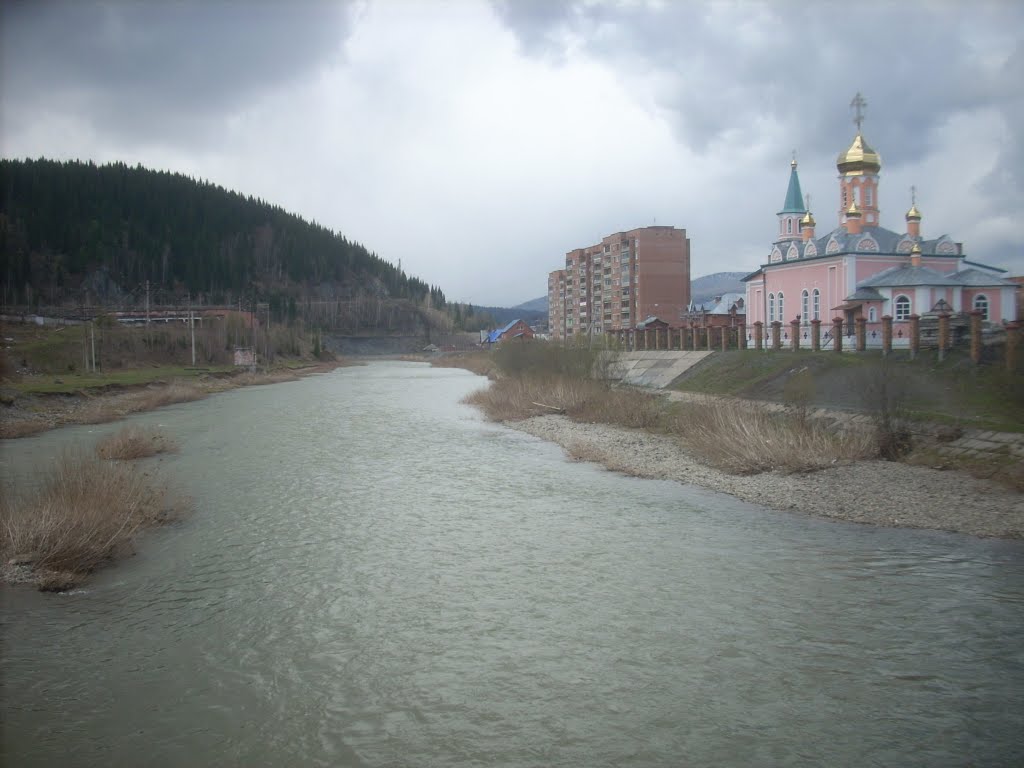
(25, 414)
(882, 493)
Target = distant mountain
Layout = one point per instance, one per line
(505, 315)
(534, 305)
(705, 289)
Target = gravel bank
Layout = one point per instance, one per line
(872, 492)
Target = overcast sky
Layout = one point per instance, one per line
(476, 141)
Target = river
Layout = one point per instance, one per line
(375, 576)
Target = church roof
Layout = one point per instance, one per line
(907, 276)
(794, 197)
(979, 278)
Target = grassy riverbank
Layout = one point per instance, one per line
(721, 424)
(43, 385)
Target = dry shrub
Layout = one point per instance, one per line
(595, 454)
(623, 407)
(480, 363)
(744, 439)
(84, 514)
(512, 399)
(12, 428)
(134, 442)
(159, 396)
(100, 411)
(252, 378)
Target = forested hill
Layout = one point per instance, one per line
(78, 233)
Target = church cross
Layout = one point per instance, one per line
(913, 195)
(858, 104)
(807, 201)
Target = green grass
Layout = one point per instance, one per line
(74, 382)
(953, 391)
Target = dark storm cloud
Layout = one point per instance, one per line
(725, 68)
(140, 69)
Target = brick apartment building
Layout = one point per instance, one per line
(625, 279)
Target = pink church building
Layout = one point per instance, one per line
(861, 269)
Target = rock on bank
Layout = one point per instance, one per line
(873, 492)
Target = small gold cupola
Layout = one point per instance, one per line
(913, 215)
(915, 255)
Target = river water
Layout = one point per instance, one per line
(374, 576)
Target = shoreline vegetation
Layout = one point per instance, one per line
(89, 508)
(874, 470)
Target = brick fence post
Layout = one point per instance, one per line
(758, 335)
(725, 338)
(943, 334)
(693, 335)
(815, 335)
(741, 336)
(976, 336)
(707, 336)
(915, 336)
(794, 334)
(861, 325)
(776, 335)
(1012, 339)
(886, 334)
(837, 334)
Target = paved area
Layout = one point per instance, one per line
(655, 369)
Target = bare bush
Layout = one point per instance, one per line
(512, 399)
(134, 442)
(480, 363)
(156, 397)
(13, 428)
(84, 513)
(744, 439)
(884, 390)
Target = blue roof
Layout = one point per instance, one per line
(494, 336)
(794, 199)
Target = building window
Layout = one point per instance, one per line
(782, 312)
(789, 226)
(867, 197)
(981, 305)
(804, 301)
(816, 305)
(771, 307)
(871, 315)
(902, 307)
(846, 199)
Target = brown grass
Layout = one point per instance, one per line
(12, 428)
(480, 363)
(744, 439)
(516, 398)
(152, 398)
(84, 514)
(134, 442)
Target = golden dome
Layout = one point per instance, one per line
(913, 213)
(859, 158)
(916, 248)
(853, 210)
(807, 220)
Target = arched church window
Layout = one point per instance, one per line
(804, 302)
(981, 305)
(902, 305)
(782, 312)
(817, 304)
(872, 315)
(868, 196)
(771, 307)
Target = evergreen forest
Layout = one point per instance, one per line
(76, 234)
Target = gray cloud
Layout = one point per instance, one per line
(157, 69)
(724, 68)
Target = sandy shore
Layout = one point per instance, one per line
(871, 492)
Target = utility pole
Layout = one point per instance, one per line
(192, 328)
